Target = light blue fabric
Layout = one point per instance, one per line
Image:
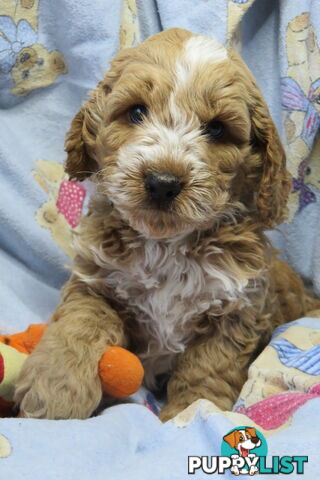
(25, 297)
(33, 127)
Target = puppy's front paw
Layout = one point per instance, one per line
(253, 470)
(170, 410)
(57, 386)
(235, 470)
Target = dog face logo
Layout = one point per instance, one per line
(243, 440)
(244, 445)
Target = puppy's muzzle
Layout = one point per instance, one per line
(162, 188)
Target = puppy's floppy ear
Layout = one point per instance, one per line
(251, 431)
(232, 438)
(80, 141)
(275, 181)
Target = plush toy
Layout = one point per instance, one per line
(120, 371)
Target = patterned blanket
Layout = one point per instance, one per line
(280, 400)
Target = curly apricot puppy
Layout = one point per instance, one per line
(172, 261)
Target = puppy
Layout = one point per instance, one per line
(243, 440)
(171, 260)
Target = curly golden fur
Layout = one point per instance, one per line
(191, 285)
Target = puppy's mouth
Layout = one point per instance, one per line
(166, 204)
(157, 221)
(244, 451)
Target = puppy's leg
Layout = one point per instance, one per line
(214, 369)
(60, 378)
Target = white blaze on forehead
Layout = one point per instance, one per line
(199, 49)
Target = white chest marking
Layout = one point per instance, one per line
(168, 290)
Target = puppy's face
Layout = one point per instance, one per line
(180, 138)
(243, 440)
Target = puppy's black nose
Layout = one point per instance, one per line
(255, 440)
(162, 187)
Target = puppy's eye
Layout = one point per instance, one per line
(136, 113)
(214, 129)
(241, 439)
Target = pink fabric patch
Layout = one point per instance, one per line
(70, 201)
(273, 412)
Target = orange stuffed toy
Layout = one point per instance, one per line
(121, 372)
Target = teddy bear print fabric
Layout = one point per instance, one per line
(300, 89)
(25, 62)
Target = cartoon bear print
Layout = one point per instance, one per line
(25, 62)
(35, 67)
